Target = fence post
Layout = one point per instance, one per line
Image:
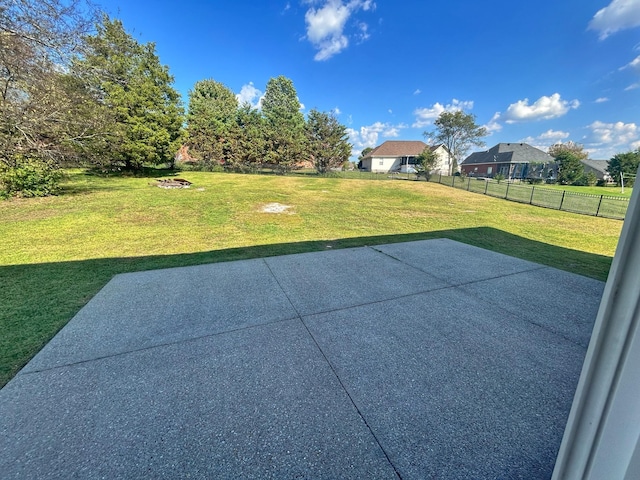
(533, 189)
(599, 203)
(440, 178)
(562, 199)
(468, 183)
(486, 186)
(506, 195)
(453, 181)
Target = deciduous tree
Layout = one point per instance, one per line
(458, 132)
(426, 162)
(327, 141)
(624, 163)
(42, 113)
(570, 168)
(576, 149)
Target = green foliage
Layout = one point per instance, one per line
(365, 152)
(575, 149)
(591, 179)
(626, 163)
(425, 163)
(134, 91)
(498, 177)
(570, 168)
(458, 132)
(327, 141)
(43, 122)
(211, 121)
(29, 177)
(249, 143)
(284, 125)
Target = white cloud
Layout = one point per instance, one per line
(326, 25)
(368, 135)
(553, 135)
(618, 15)
(617, 134)
(601, 100)
(250, 94)
(417, 92)
(425, 116)
(633, 86)
(546, 139)
(493, 125)
(544, 108)
(633, 64)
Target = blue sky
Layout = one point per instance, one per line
(536, 72)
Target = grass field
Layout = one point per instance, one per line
(59, 251)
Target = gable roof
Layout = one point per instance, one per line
(509, 153)
(598, 165)
(398, 148)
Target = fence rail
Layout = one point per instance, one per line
(607, 206)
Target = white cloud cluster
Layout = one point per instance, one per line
(546, 139)
(250, 94)
(326, 25)
(493, 126)
(368, 135)
(602, 100)
(617, 134)
(618, 15)
(425, 116)
(544, 108)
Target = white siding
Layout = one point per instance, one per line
(384, 164)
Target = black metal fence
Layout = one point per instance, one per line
(608, 206)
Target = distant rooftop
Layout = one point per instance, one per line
(509, 153)
(398, 148)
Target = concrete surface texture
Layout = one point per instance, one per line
(415, 360)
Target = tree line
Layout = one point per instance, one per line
(76, 89)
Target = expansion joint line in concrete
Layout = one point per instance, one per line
(335, 373)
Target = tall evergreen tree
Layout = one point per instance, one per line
(284, 124)
(249, 142)
(135, 91)
(211, 121)
(327, 141)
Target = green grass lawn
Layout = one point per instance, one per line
(59, 251)
(609, 191)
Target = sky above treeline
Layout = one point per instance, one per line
(536, 72)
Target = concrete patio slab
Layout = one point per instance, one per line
(455, 262)
(356, 363)
(323, 281)
(144, 309)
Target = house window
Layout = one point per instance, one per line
(489, 170)
(381, 162)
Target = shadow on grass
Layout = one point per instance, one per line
(38, 300)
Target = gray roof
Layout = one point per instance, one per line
(598, 165)
(509, 153)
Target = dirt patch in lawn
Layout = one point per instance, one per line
(276, 208)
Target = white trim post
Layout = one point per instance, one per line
(602, 436)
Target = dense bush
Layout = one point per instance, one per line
(29, 177)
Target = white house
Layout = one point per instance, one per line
(401, 155)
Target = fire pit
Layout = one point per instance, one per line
(173, 183)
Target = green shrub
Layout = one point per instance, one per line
(29, 177)
(498, 177)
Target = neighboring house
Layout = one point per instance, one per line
(599, 167)
(513, 160)
(401, 156)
